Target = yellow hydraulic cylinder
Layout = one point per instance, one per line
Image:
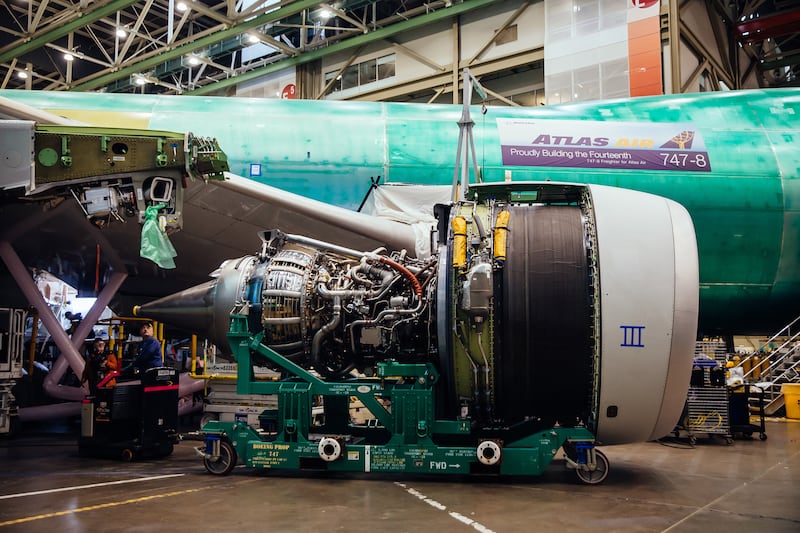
(459, 242)
(500, 234)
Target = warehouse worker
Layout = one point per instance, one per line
(149, 353)
(99, 364)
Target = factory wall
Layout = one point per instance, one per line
(435, 44)
(585, 50)
(274, 85)
(592, 49)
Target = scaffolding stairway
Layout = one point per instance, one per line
(769, 369)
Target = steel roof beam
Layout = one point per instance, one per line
(19, 47)
(353, 42)
(164, 55)
(775, 25)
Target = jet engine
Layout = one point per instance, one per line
(543, 305)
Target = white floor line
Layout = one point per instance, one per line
(81, 487)
(739, 487)
(436, 505)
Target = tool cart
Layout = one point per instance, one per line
(706, 413)
(740, 400)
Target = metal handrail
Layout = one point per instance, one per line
(772, 356)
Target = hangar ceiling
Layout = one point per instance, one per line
(190, 46)
(180, 46)
(756, 41)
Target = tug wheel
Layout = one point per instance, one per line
(127, 455)
(222, 464)
(598, 474)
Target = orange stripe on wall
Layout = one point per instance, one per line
(644, 57)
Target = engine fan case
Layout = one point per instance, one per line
(649, 303)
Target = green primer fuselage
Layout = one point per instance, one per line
(746, 208)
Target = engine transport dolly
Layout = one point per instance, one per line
(405, 439)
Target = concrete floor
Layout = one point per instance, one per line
(751, 486)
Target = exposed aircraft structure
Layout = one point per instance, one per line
(66, 191)
(730, 158)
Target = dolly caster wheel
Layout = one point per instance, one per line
(223, 461)
(596, 475)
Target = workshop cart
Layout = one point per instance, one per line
(740, 400)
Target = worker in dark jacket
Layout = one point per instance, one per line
(149, 353)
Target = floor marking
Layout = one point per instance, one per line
(93, 485)
(709, 504)
(433, 503)
(96, 507)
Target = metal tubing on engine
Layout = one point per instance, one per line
(406, 272)
(335, 248)
(299, 239)
(316, 342)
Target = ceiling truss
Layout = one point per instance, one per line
(116, 45)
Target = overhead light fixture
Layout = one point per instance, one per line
(325, 14)
(69, 57)
(194, 60)
(22, 74)
(121, 33)
(139, 80)
(252, 39)
(182, 6)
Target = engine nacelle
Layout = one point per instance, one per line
(543, 304)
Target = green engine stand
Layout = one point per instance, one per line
(405, 436)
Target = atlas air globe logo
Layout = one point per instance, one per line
(644, 4)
